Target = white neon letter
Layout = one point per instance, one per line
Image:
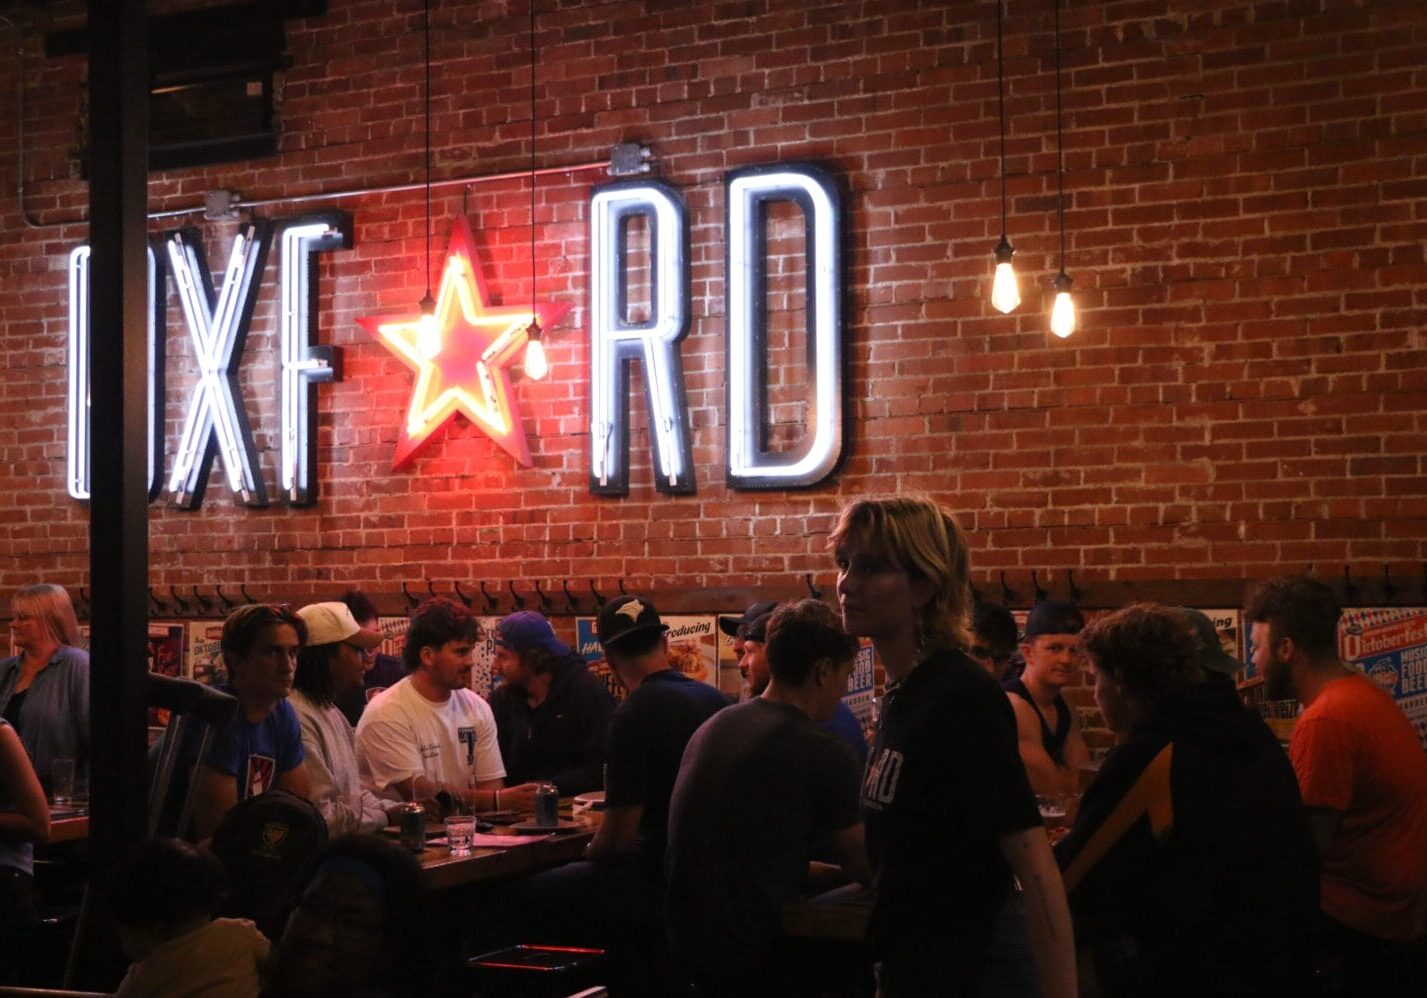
(750, 465)
(615, 342)
(218, 327)
(77, 452)
(304, 363)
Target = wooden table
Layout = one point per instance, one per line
(74, 828)
(486, 863)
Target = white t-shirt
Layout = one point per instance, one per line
(330, 758)
(402, 735)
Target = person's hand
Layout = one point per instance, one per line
(520, 797)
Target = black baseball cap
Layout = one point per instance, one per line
(1054, 617)
(754, 617)
(624, 616)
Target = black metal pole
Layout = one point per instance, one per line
(118, 512)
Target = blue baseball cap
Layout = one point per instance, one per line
(526, 629)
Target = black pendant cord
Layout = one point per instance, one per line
(1001, 101)
(532, 163)
(426, 36)
(1059, 142)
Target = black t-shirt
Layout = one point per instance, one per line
(759, 781)
(1052, 741)
(563, 739)
(944, 782)
(647, 736)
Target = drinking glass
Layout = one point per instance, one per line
(61, 781)
(459, 829)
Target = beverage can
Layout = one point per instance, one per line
(547, 805)
(413, 826)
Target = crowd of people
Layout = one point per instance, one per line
(1201, 859)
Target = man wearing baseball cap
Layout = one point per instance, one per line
(750, 643)
(1054, 754)
(551, 714)
(333, 661)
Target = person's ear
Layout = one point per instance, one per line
(1285, 649)
(428, 655)
(823, 669)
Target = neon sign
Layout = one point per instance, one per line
(462, 360)
(216, 421)
(615, 341)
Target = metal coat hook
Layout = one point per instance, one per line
(227, 603)
(1075, 591)
(160, 607)
(460, 595)
(621, 588)
(545, 603)
(519, 599)
(244, 590)
(178, 601)
(571, 604)
(205, 605)
(1041, 594)
(431, 588)
(813, 590)
(1350, 588)
(600, 600)
(411, 601)
(84, 602)
(490, 600)
(1007, 593)
(1388, 589)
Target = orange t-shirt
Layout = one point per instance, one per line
(1355, 753)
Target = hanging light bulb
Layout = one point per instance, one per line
(1005, 291)
(535, 365)
(428, 334)
(1062, 313)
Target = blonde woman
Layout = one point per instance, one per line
(951, 822)
(44, 690)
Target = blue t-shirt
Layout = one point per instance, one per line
(845, 725)
(254, 754)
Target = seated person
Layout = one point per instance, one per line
(261, 747)
(1055, 754)
(382, 670)
(332, 662)
(430, 734)
(551, 712)
(751, 644)
(24, 820)
(1192, 839)
(993, 631)
(162, 900)
(758, 782)
(361, 927)
(44, 690)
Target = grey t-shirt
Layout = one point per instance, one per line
(758, 782)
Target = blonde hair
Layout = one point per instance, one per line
(915, 534)
(49, 604)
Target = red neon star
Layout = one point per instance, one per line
(461, 359)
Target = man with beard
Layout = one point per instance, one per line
(1363, 777)
(551, 713)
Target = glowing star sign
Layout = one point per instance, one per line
(462, 364)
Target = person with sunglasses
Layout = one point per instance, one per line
(332, 662)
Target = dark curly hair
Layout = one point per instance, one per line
(1147, 649)
(434, 623)
(1300, 608)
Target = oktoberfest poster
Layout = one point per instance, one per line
(1389, 644)
(167, 647)
(205, 652)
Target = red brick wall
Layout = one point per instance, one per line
(1246, 213)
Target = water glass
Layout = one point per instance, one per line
(459, 829)
(61, 781)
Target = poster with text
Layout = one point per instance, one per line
(861, 684)
(1229, 625)
(205, 652)
(1389, 644)
(693, 649)
(730, 680)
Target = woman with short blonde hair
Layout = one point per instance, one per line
(44, 690)
(952, 825)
